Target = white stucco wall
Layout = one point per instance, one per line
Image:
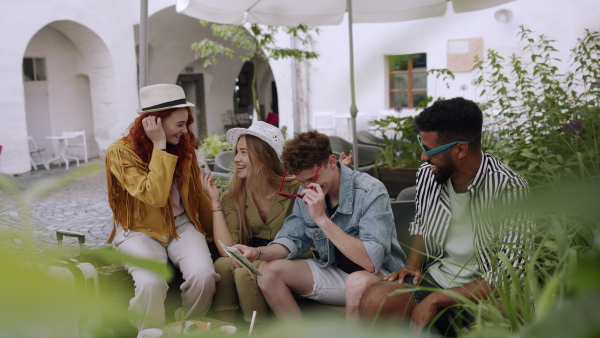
(329, 86)
(98, 42)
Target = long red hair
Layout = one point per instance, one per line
(143, 145)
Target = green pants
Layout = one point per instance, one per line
(237, 289)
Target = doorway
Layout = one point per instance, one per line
(193, 86)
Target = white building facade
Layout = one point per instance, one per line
(84, 65)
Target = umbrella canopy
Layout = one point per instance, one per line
(320, 12)
(326, 12)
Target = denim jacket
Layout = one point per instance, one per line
(364, 212)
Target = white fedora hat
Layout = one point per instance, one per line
(264, 131)
(162, 97)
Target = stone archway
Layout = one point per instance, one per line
(79, 86)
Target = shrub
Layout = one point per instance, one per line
(547, 121)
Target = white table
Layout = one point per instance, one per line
(62, 151)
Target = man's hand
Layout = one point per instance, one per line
(248, 251)
(423, 314)
(155, 132)
(405, 271)
(315, 199)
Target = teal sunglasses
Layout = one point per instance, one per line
(438, 149)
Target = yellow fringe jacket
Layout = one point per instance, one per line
(139, 193)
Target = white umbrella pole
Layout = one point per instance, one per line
(143, 43)
(295, 105)
(353, 108)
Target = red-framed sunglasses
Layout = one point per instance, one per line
(294, 196)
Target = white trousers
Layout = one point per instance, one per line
(190, 254)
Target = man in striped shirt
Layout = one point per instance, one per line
(455, 237)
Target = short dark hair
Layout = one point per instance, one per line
(456, 119)
(305, 151)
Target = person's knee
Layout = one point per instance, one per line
(270, 273)
(224, 267)
(150, 283)
(199, 277)
(242, 276)
(359, 280)
(204, 279)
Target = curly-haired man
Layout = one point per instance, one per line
(347, 217)
(455, 237)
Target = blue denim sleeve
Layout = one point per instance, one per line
(292, 234)
(376, 224)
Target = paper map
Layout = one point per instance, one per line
(237, 256)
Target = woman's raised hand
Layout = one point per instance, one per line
(209, 187)
(155, 132)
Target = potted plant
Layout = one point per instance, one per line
(210, 146)
(401, 152)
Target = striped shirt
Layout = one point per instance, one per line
(495, 184)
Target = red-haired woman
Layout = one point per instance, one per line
(159, 209)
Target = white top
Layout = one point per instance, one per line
(458, 266)
(177, 205)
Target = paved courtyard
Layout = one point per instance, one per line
(81, 206)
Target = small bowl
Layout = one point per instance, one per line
(226, 330)
(150, 333)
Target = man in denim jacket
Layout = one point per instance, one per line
(347, 217)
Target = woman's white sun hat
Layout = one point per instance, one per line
(162, 97)
(264, 131)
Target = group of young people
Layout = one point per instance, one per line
(311, 225)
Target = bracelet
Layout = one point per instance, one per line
(216, 209)
(259, 253)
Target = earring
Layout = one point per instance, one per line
(258, 171)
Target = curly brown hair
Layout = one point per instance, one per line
(305, 151)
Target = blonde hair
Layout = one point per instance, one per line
(265, 170)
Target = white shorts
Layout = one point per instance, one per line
(329, 284)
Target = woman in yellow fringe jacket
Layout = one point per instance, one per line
(159, 209)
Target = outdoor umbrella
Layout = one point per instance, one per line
(326, 12)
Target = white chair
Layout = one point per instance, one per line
(33, 149)
(76, 140)
(324, 121)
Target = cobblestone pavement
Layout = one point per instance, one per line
(81, 206)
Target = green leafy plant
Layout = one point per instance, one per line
(37, 302)
(548, 121)
(213, 144)
(400, 148)
(257, 41)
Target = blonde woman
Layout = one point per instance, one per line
(258, 199)
(251, 212)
